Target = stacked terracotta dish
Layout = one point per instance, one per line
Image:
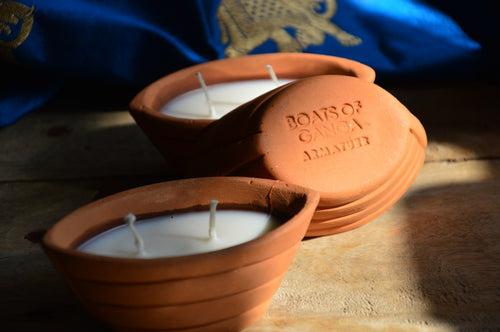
(356, 145)
(335, 132)
(348, 139)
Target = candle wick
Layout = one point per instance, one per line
(272, 74)
(138, 241)
(203, 85)
(212, 234)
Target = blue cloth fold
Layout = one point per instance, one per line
(133, 43)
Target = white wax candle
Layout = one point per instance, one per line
(224, 97)
(182, 234)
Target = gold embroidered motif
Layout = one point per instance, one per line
(16, 21)
(246, 24)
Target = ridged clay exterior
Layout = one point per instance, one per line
(222, 290)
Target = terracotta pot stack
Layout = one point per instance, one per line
(341, 135)
(346, 138)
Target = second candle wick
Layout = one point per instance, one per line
(272, 74)
(212, 234)
(204, 87)
(130, 220)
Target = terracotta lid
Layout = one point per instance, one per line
(339, 135)
(344, 138)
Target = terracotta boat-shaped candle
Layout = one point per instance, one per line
(177, 136)
(221, 290)
(344, 137)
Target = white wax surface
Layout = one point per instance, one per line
(182, 234)
(225, 97)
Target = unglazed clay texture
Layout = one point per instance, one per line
(338, 134)
(177, 137)
(346, 138)
(227, 289)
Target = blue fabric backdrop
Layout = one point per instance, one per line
(45, 42)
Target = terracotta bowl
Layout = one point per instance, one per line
(176, 137)
(227, 289)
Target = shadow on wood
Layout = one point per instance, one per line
(453, 232)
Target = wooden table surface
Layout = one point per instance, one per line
(430, 263)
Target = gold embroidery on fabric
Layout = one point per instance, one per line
(16, 21)
(246, 24)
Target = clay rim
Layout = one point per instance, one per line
(372, 197)
(402, 184)
(311, 199)
(146, 102)
(312, 233)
